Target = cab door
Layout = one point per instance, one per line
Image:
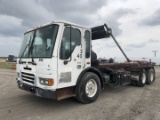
(71, 58)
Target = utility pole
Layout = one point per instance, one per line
(155, 52)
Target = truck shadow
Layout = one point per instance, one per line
(49, 104)
(40, 105)
(69, 102)
(109, 89)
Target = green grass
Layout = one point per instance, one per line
(7, 65)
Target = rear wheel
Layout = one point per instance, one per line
(150, 76)
(88, 89)
(142, 79)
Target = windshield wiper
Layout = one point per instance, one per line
(31, 52)
(20, 62)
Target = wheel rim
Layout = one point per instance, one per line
(91, 88)
(151, 76)
(143, 78)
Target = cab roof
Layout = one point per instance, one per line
(57, 22)
(97, 32)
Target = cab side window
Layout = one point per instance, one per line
(88, 43)
(66, 47)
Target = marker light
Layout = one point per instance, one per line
(50, 82)
(45, 81)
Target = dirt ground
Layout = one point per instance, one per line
(124, 103)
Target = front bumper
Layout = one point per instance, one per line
(37, 91)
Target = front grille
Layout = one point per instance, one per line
(27, 77)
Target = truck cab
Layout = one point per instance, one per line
(52, 57)
(56, 61)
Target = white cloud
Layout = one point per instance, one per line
(10, 25)
(123, 16)
(9, 21)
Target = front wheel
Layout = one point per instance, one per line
(88, 89)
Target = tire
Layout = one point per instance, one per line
(150, 76)
(142, 79)
(88, 89)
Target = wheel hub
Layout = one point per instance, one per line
(91, 88)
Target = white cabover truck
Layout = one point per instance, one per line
(56, 61)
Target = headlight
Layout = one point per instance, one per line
(45, 81)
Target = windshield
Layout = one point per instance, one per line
(39, 43)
